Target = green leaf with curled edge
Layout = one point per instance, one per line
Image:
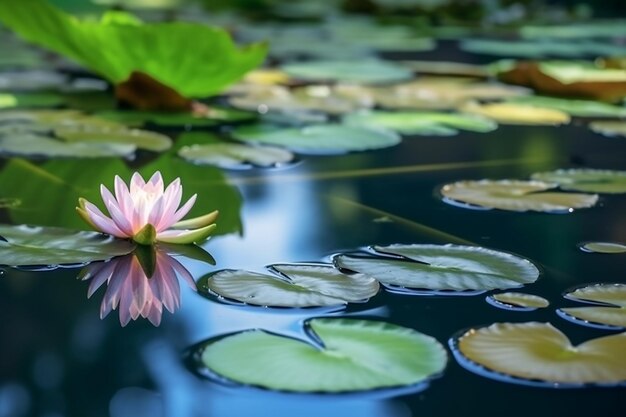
(159, 50)
(443, 267)
(514, 195)
(44, 246)
(356, 71)
(421, 123)
(355, 355)
(292, 285)
(519, 300)
(586, 180)
(539, 354)
(612, 309)
(234, 155)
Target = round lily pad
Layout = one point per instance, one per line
(517, 114)
(611, 312)
(609, 127)
(318, 139)
(539, 354)
(49, 246)
(366, 72)
(232, 155)
(517, 301)
(513, 195)
(142, 139)
(292, 285)
(587, 180)
(345, 355)
(31, 100)
(442, 267)
(421, 123)
(581, 108)
(31, 144)
(213, 116)
(603, 247)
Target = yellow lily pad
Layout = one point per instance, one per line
(517, 114)
(517, 301)
(610, 313)
(539, 354)
(514, 195)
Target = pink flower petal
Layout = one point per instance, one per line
(136, 183)
(102, 222)
(116, 213)
(182, 212)
(122, 195)
(171, 197)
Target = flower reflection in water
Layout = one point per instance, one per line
(139, 284)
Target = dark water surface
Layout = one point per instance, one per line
(59, 359)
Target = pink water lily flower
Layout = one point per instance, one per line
(147, 212)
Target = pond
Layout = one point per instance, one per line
(75, 342)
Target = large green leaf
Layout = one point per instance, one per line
(356, 355)
(49, 246)
(293, 285)
(442, 267)
(515, 195)
(539, 354)
(318, 139)
(357, 71)
(421, 123)
(611, 311)
(194, 59)
(587, 180)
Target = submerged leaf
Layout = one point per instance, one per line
(357, 71)
(587, 180)
(44, 246)
(159, 50)
(515, 195)
(234, 155)
(356, 355)
(443, 267)
(539, 354)
(610, 313)
(293, 285)
(517, 114)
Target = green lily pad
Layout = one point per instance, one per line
(318, 139)
(587, 180)
(517, 113)
(32, 80)
(420, 123)
(29, 144)
(354, 355)
(584, 30)
(233, 155)
(517, 301)
(292, 285)
(213, 117)
(358, 71)
(603, 247)
(609, 127)
(581, 108)
(442, 267)
(610, 313)
(538, 354)
(573, 72)
(31, 100)
(142, 139)
(50, 246)
(513, 195)
(544, 48)
(447, 68)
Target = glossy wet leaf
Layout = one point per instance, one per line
(540, 353)
(516, 195)
(234, 155)
(518, 299)
(582, 108)
(443, 267)
(318, 139)
(587, 180)
(603, 247)
(609, 128)
(516, 113)
(610, 312)
(356, 355)
(142, 139)
(42, 246)
(155, 49)
(421, 123)
(357, 71)
(292, 285)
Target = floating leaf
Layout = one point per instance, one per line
(517, 301)
(587, 180)
(573, 30)
(30, 100)
(582, 108)
(358, 71)
(539, 354)
(420, 123)
(213, 116)
(515, 195)
(611, 313)
(142, 139)
(318, 139)
(447, 68)
(293, 285)
(29, 144)
(603, 247)
(44, 246)
(32, 80)
(609, 128)
(519, 114)
(355, 355)
(543, 48)
(155, 49)
(232, 155)
(443, 267)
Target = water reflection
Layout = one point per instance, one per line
(139, 284)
